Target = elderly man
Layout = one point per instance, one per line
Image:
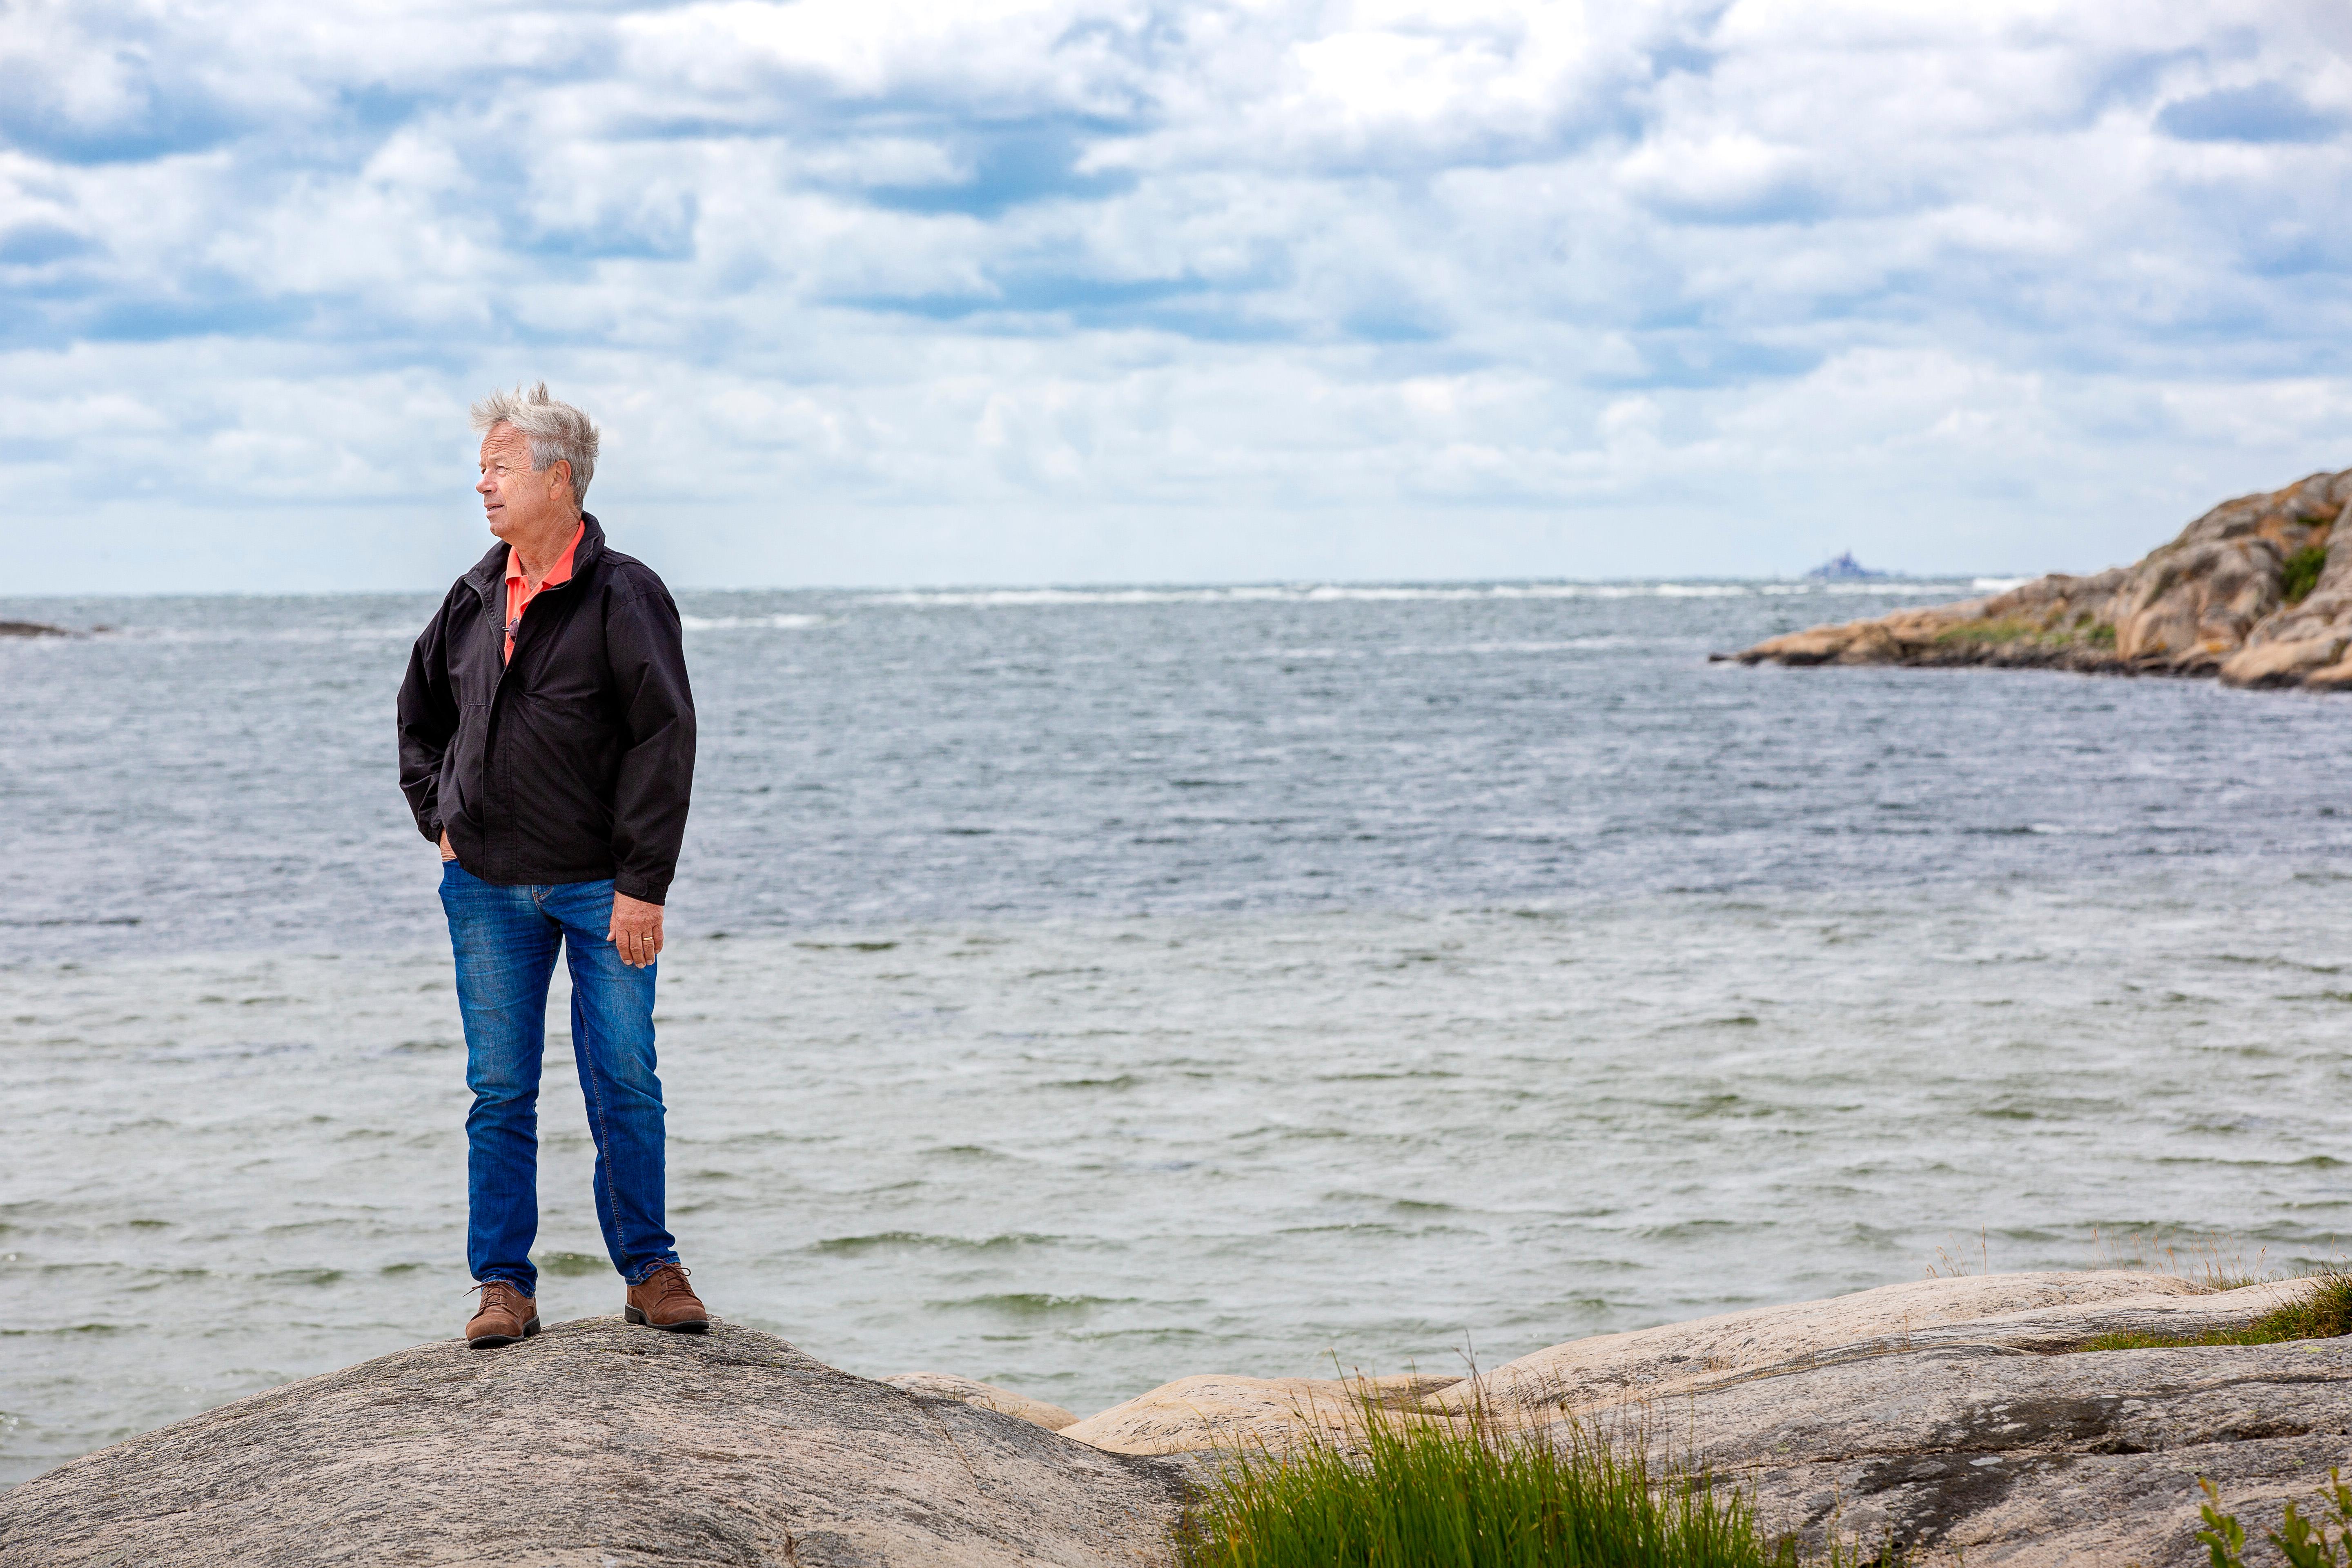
(547, 746)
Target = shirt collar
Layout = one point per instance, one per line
(560, 572)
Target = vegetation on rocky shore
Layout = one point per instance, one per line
(2257, 592)
(2325, 1314)
(1465, 1492)
(2301, 1542)
(1925, 1419)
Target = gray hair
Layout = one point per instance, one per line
(555, 430)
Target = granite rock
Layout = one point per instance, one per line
(1946, 1415)
(1950, 1416)
(1987, 1454)
(1207, 1413)
(987, 1395)
(596, 1445)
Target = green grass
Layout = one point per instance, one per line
(2301, 1542)
(2325, 1314)
(2082, 632)
(2008, 629)
(1439, 1492)
(2299, 573)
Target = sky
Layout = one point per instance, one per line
(880, 291)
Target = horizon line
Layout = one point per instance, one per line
(1102, 586)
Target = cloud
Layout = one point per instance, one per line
(877, 291)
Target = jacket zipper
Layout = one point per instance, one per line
(505, 662)
(497, 626)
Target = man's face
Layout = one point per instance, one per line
(517, 502)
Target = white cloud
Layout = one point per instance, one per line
(874, 291)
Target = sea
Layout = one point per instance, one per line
(1081, 988)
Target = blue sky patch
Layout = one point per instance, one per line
(2267, 112)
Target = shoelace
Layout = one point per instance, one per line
(486, 1287)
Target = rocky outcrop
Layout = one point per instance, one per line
(1989, 1455)
(2258, 592)
(1946, 1415)
(30, 630)
(987, 1395)
(1203, 1414)
(595, 1446)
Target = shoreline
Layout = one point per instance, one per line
(1975, 1414)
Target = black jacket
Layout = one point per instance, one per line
(574, 763)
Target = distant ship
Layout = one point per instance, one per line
(1845, 567)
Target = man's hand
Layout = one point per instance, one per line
(637, 930)
(447, 853)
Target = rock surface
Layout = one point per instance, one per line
(987, 1395)
(1197, 1414)
(1947, 1414)
(596, 1446)
(1985, 1454)
(2215, 601)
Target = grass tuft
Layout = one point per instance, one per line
(2325, 1314)
(2007, 630)
(2299, 573)
(1452, 1491)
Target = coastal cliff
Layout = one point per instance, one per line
(1946, 1415)
(2257, 592)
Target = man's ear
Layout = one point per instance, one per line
(563, 466)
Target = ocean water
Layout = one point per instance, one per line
(1082, 989)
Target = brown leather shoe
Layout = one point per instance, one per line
(667, 1302)
(505, 1316)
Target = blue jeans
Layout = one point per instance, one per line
(506, 940)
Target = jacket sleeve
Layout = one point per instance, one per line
(428, 718)
(643, 641)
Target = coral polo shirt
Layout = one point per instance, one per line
(519, 594)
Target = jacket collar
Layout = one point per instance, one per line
(490, 573)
